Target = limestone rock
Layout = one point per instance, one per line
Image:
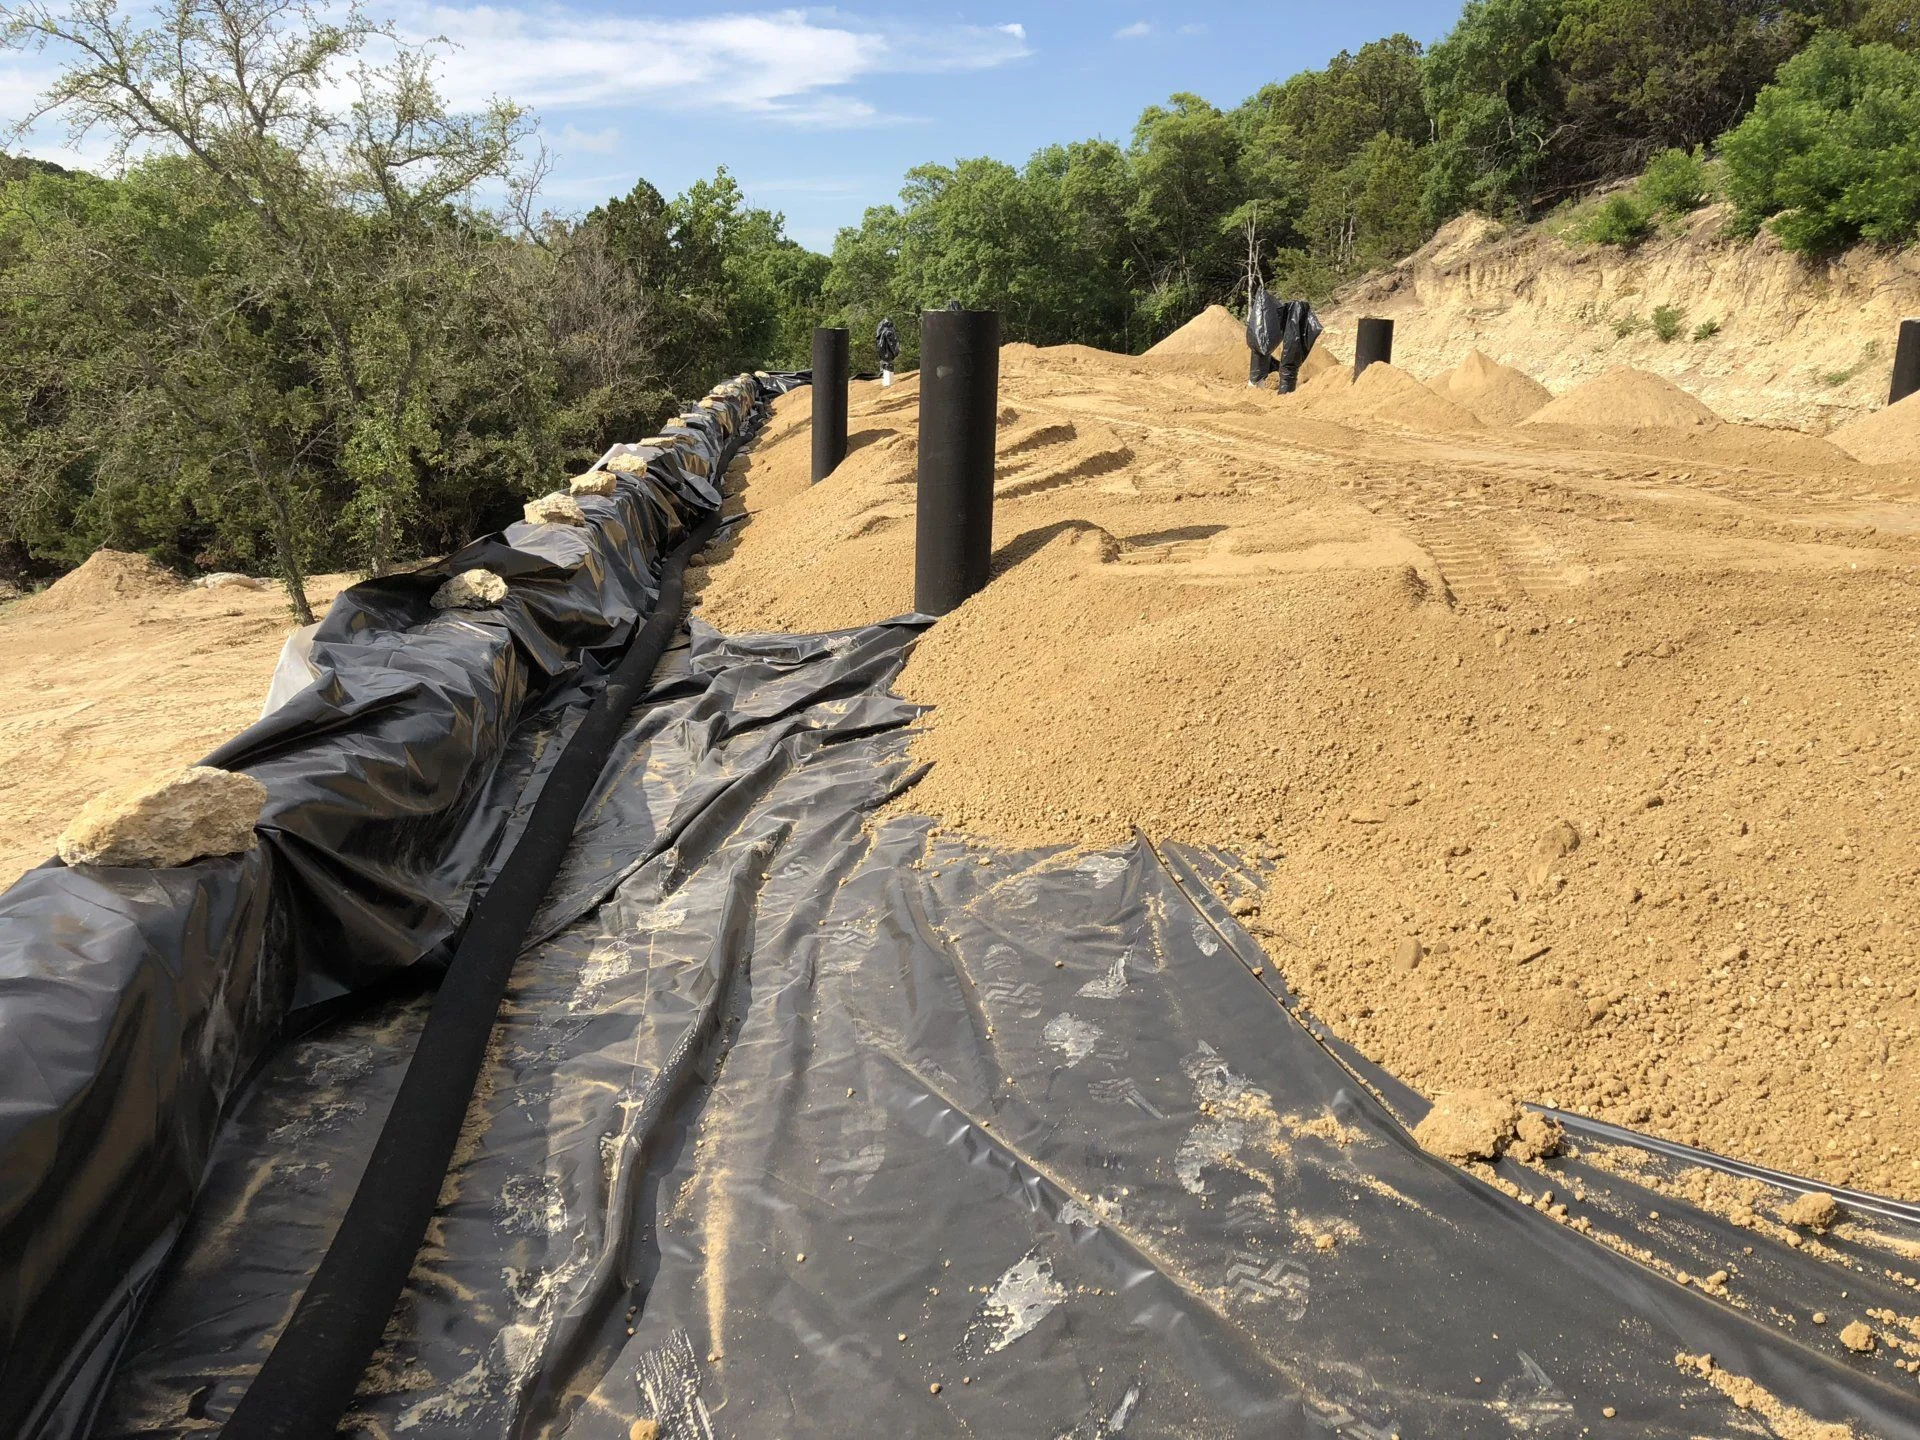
(232, 580)
(470, 590)
(555, 509)
(628, 464)
(1469, 1125)
(594, 482)
(166, 822)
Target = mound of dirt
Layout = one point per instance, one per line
(1214, 344)
(109, 577)
(1319, 361)
(1385, 395)
(1492, 393)
(1626, 399)
(1885, 437)
(1209, 333)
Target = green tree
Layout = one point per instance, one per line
(859, 288)
(160, 374)
(1186, 167)
(1831, 150)
(1498, 102)
(1646, 75)
(351, 205)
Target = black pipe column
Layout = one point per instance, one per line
(1374, 341)
(1906, 362)
(959, 404)
(829, 402)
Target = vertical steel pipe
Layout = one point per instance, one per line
(1906, 362)
(959, 405)
(1373, 341)
(829, 402)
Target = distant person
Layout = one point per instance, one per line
(886, 340)
(1288, 327)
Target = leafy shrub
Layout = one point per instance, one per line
(1831, 150)
(1628, 325)
(1666, 322)
(1622, 220)
(1675, 182)
(1706, 330)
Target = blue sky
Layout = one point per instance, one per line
(819, 111)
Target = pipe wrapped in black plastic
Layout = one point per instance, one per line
(309, 1380)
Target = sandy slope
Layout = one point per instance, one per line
(109, 682)
(1800, 342)
(1585, 751)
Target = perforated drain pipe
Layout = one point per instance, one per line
(311, 1376)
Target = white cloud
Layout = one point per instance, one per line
(1193, 29)
(1139, 30)
(591, 142)
(793, 65)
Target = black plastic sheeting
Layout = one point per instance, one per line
(135, 1004)
(804, 1119)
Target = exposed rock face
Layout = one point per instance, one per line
(166, 822)
(470, 590)
(594, 482)
(555, 509)
(232, 580)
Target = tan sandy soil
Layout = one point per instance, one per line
(118, 672)
(1791, 341)
(1585, 751)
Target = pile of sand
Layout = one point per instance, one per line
(109, 577)
(1213, 331)
(1885, 437)
(1383, 395)
(1438, 687)
(1626, 399)
(1493, 393)
(1214, 344)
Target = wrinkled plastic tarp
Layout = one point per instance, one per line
(804, 1120)
(135, 1003)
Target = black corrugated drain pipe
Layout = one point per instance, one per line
(310, 1378)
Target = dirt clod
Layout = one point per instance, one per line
(1469, 1125)
(1816, 1211)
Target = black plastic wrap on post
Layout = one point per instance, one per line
(1906, 363)
(1373, 340)
(1266, 322)
(784, 1077)
(959, 402)
(829, 379)
(135, 1003)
